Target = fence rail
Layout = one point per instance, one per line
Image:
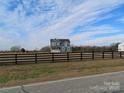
(21, 58)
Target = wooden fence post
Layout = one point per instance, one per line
(120, 54)
(35, 57)
(67, 56)
(112, 55)
(16, 61)
(93, 55)
(53, 57)
(81, 56)
(103, 56)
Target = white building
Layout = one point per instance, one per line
(121, 47)
(60, 45)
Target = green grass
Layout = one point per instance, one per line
(11, 75)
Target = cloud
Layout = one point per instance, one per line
(85, 17)
(121, 20)
(92, 31)
(107, 40)
(31, 26)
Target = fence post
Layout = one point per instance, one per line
(120, 54)
(16, 62)
(35, 57)
(93, 55)
(67, 56)
(53, 57)
(112, 55)
(103, 56)
(81, 56)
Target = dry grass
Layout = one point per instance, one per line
(11, 75)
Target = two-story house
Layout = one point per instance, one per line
(60, 45)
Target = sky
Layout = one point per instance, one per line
(32, 23)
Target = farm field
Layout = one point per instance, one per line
(12, 75)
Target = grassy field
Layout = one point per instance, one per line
(11, 75)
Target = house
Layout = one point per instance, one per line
(121, 47)
(60, 45)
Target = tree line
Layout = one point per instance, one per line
(112, 47)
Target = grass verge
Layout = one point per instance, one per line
(12, 75)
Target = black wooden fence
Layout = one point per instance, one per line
(18, 58)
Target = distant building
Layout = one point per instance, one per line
(121, 47)
(60, 45)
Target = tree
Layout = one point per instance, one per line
(22, 50)
(114, 46)
(15, 48)
(45, 49)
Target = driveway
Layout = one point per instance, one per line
(103, 83)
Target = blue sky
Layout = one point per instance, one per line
(32, 23)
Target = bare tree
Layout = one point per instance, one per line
(112, 47)
(45, 49)
(15, 48)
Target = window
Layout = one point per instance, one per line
(58, 43)
(52, 43)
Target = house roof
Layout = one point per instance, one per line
(62, 40)
(122, 43)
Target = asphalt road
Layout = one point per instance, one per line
(103, 83)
